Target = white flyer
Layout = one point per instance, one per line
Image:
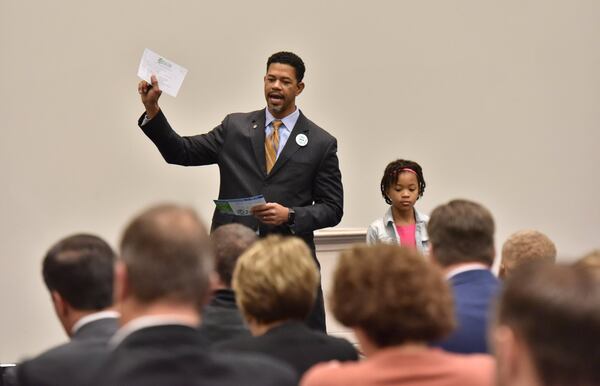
(239, 206)
(170, 75)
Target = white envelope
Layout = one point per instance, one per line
(170, 75)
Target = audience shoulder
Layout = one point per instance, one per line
(333, 373)
(474, 369)
(261, 369)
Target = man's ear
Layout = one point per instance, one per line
(508, 353)
(431, 256)
(502, 271)
(214, 282)
(60, 305)
(300, 88)
(121, 286)
(64, 312)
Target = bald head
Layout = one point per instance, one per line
(165, 250)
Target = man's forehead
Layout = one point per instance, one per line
(281, 70)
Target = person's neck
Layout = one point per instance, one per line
(448, 269)
(73, 317)
(186, 313)
(219, 286)
(403, 217)
(369, 348)
(258, 329)
(282, 114)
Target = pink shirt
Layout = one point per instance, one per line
(395, 367)
(407, 235)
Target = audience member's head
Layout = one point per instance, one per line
(78, 271)
(590, 261)
(460, 232)
(229, 242)
(165, 260)
(548, 327)
(391, 296)
(524, 247)
(275, 280)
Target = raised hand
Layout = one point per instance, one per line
(149, 94)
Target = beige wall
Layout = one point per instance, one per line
(498, 100)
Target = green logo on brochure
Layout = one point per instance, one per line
(164, 62)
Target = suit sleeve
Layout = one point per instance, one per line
(195, 150)
(328, 196)
(20, 376)
(10, 377)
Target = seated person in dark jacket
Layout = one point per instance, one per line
(78, 271)
(275, 283)
(221, 319)
(161, 278)
(461, 237)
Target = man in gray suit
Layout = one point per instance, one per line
(78, 272)
(162, 278)
(276, 151)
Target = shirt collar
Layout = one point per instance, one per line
(145, 322)
(92, 318)
(464, 268)
(289, 121)
(388, 217)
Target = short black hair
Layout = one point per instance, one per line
(290, 58)
(390, 176)
(81, 269)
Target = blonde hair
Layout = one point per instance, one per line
(276, 279)
(590, 261)
(526, 246)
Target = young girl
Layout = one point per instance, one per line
(401, 186)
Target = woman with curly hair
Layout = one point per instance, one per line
(396, 303)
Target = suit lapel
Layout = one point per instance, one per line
(257, 137)
(291, 146)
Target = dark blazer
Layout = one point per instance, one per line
(474, 293)
(177, 355)
(295, 344)
(221, 319)
(305, 178)
(72, 363)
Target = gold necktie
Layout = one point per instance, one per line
(271, 145)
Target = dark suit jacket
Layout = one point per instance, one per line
(474, 292)
(295, 344)
(221, 319)
(174, 355)
(305, 178)
(72, 363)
